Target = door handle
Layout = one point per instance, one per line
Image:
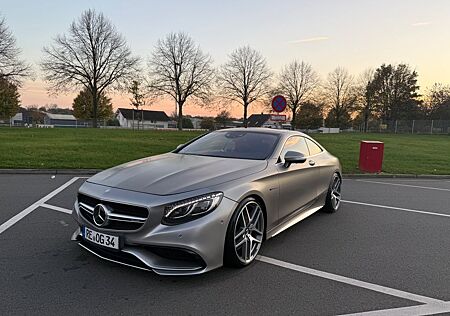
(312, 162)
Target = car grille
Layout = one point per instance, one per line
(122, 216)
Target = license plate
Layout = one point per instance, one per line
(100, 238)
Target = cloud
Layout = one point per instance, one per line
(311, 39)
(421, 23)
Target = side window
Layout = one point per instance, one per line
(314, 149)
(295, 143)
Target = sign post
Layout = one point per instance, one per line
(278, 105)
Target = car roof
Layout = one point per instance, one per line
(263, 130)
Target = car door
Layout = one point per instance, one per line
(324, 168)
(295, 181)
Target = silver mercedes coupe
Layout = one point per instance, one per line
(211, 201)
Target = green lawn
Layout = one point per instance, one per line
(403, 153)
(61, 148)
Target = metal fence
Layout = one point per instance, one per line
(407, 126)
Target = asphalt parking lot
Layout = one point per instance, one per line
(385, 252)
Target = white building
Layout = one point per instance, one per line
(196, 121)
(60, 120)
(130, 118)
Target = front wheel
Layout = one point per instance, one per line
(244, 234)
(333, 200)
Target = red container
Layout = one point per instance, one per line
(371, 156)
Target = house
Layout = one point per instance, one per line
(17, 119)
(60, 120)
(130, 118)
(266, 120)
(196, 121)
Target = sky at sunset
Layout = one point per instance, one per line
(356, 34)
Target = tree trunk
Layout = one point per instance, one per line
(180, 116)
(366, 120)
(338, 118)
(294, 114)
(95, 108)
(245, 114)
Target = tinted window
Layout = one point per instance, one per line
(295, 143)
(233, 144)
(314, 149)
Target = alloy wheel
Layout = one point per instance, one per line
(336, 193)
(248, 231)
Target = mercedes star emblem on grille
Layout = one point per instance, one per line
(100, 215)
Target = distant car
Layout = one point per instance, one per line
(210, 202)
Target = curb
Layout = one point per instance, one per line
(393, 176)
(347, 176)
(51, 171)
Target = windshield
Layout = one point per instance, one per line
(233, 144)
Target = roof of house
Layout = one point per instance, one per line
(60, 116)
(148, 115)
(257, 120)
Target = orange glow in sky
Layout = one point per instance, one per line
(354, 34)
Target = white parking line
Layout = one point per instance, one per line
(57, 208)
(13, 220)
(427, 309)
(405, 185)
(354, 282)
(396, 208)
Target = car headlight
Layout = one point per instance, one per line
(190, 209)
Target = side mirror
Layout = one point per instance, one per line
(179, 146)
(293, 157)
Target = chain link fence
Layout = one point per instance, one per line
(407, 127)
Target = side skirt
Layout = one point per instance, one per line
(292, 221)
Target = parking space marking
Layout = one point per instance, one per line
(405, 185)
(57, 208)
(396, 208)
(13, 220)
(354, 282)
(426, 309)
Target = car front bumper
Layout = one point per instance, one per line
(190, 248)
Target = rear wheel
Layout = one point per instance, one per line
(244, 234)
(333, 200)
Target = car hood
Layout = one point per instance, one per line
(176, 173)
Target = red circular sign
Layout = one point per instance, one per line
(279, 103)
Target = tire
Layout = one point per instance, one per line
(333, 199)
(245, 234)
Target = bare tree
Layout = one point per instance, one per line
(339, 95)
(244, 78)
(12, 68)
(179, 69)
(92, 55)
(297, 81)
(366, 95)
(137, 99)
